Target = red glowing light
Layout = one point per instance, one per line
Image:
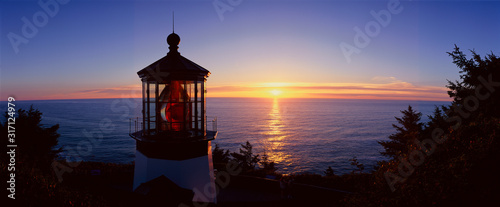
(177, 110)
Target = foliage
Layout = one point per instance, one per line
(329, 172)
(410, 129)
(36, 188)
(359, 167)
(220, 155)
(36, 143)
(36, 183)
(268, 166)
(245, 158)
(480, 79)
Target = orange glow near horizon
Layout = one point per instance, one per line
(386, 91)
(396, 90)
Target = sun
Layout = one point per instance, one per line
(275, 92)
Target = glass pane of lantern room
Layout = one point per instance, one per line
(199, 105)
(144, 97)
(192, 100)
(189, 104)
(162, 104)
(146, 108)
(204, 108)
(152, 117)
(174, 106)
(152, 106)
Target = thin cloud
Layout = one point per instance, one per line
(384, 88)
(130, 91)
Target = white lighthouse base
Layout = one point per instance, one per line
(196, 174)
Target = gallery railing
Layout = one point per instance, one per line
(136, 126)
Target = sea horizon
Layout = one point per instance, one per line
(272, 98)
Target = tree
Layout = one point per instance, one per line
(329, 172)
(359, 167)
(219, 155)
(36, 143)
(480, 81)
(245, 158)
(268, 166)
(410, 130)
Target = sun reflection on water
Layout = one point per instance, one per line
(276, 137)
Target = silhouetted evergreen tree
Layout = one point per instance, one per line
(36, 143)
(329, 172)
(268, 166)
(220, 158)
(480, 81)
(220, 155)
(473, 142)
(245, 158)
(359, 167)
(410, 129)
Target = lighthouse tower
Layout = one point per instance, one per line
(172, 140)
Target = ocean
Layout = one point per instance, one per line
(299, 135)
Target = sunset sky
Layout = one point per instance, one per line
(93, 49)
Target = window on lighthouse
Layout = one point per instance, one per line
(175, 107)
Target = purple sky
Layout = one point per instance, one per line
(93, 49)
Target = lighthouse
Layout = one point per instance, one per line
(172, 140)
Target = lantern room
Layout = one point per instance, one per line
(173, 97)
